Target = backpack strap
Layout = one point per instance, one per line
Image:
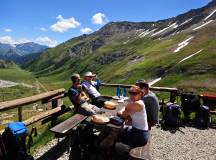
(3, 153)
(30, 139)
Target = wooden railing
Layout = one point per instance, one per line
(173, 91)
(52, 97)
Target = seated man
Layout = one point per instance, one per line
(89, 87)
(79, 99)
(151, 103)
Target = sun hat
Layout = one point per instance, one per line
(89, 74)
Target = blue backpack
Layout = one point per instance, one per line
(18, 129)
(14, 139)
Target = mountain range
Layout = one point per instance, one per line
(179, 51)
(20, 53)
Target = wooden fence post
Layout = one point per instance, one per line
(54, 104)
(20, 113)
(173, 97)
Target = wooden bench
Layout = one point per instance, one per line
(66, 127)
(140, 153)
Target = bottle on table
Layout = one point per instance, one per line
(124, 92)
(118, 91)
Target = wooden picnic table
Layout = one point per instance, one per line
(137, 153)
(109, 132)
(111, 112)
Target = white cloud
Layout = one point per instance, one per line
(10, 40)
(99, 18)
(23, 41)
(43, 29)
(86, 30)
(8, 30)
(40, 40)
(7, 40)
(63, 25)
(46, 41)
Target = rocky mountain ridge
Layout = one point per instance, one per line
(19, 52)
(126, 51)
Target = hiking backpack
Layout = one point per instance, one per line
(3, 155)
(189, 103)
(171, 116)
(82, 144)
(202, 118)
(14, 139)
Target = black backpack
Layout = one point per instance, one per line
(190, 103)
(3, 155)
(14, 139)
(83, 142)
(171, 116)
(202, 118)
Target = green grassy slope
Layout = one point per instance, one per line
(114, 61)
(15, 74)
(157, 55)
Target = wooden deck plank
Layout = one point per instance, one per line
(65, 127)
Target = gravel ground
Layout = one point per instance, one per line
(53, 150)
(187, 144)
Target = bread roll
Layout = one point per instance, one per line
(110, 105)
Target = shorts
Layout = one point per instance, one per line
(88, 109)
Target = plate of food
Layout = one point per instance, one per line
(110, 105)
(100, 119)
(115, 97)
(120, 98)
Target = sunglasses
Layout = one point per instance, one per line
(133, 93)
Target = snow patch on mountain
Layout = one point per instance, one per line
(183, 44)
(211, 14)
(208, 22)
(174, 25)
(145, 33)
(126, 42)
(154, 81)
(190, 56)
(185, 22)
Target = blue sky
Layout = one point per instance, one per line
(52, 22)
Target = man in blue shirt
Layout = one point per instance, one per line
(79, 98)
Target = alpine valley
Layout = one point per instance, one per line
(176, 52)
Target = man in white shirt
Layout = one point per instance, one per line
(89, 87)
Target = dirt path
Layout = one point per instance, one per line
(39, 84)
(5, 84)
